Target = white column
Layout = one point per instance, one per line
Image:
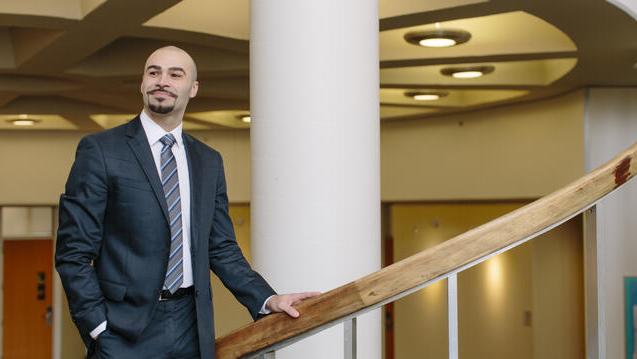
(315, 154)
(611, 126)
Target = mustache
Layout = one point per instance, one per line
(170, 93)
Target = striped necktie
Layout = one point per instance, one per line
(170, 183)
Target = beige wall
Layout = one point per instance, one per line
(522, 151)
(36, 163)
(229, 314)
(558, 293)
(525, 303)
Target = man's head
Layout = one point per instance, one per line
(169, 81)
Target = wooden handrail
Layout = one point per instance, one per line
(423, 268)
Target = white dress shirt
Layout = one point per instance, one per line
(154, 133)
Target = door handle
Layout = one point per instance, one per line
(48, 316)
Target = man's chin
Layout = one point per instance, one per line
(161, 110)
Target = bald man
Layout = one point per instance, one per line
(143, 219)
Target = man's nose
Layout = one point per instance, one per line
(164, 80)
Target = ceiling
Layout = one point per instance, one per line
(76, 64)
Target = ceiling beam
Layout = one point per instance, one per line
(459, 12)
(190, 37)
(7, 97)
(476, 59)
(91, 34)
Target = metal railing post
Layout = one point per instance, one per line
(452, 293)
(350, 338)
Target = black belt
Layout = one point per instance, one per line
(181, 292)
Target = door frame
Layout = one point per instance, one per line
(56, 335)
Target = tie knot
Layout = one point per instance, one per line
(168, 140)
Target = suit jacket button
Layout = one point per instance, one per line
(197, 293)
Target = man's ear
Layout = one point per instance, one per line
(194, 89)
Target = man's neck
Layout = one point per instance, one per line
(167, 122)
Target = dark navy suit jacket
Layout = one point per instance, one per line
(113, 237)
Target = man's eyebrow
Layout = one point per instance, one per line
(174, 68)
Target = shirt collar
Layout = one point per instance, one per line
(154, 132)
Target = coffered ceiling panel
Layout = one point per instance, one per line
(42, 122)
(69, 9)
(47, 104)
(126, 57)
(36, 84)
(390, 8)
(449, 98)
(55, 60)
(7, 60)
(534, 72)
(508, 33)
(397, 111)
(215, 17)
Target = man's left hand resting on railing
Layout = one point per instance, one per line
(286, 302)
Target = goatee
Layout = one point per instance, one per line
(160, 109)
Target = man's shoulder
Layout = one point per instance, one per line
(108, 135)
(202, 147)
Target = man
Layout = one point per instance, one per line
(143, 219)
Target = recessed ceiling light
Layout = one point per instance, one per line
(469, 72)
(438, 37)
(245, 118)
(426, 95)
(23, 121)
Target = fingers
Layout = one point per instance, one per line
(285, 302)
(290, 311)
(306, 295)
(298, 297)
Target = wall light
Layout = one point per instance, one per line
(426, 95)
(469, 72)
(438, 37)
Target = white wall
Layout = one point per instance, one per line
(611, 126)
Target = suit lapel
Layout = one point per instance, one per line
(139, 144)
(195, 173)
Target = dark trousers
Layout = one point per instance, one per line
(171, 334)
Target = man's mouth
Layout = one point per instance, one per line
(162, 93)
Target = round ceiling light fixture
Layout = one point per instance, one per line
(438, 37)
(426, 95)
(23, 120)
(468, 72)
(245, 118)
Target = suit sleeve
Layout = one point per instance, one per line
(79, 235)
(226, 259)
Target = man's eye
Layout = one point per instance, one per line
(152, 73)
(177, 75)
